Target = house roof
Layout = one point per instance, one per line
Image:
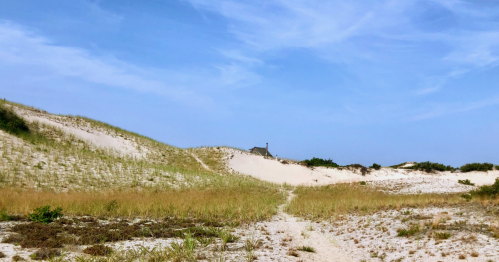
(261, 151)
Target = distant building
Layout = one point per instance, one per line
(263, 151)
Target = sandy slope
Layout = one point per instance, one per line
(274, 171)
(84, 131)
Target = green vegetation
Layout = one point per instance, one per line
(45, 215)
(330, 201)
(466, 182)
(411, 231)
(375, 166)
(477, 167)
(430, 167)
(306, 249)
(486, 190)
(319, 162)
(11, 122)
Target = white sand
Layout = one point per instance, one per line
(274, 171)
(84, 131)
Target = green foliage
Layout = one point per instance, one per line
(487, 191)
(362, 168)
(375, 166)
(467, 197)
(477, 167)
(45, 215)
(4, 216)
(11, 122)
(442, 235)
(430, 167)
(408, 232)
(319, 162)
(362, 183)
(466, 182)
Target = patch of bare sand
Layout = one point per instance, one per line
(275, 171)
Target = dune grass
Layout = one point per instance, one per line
(333, 200)
(231, 204)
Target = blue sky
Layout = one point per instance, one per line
(357, 81)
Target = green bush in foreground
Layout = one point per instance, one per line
(466, 182)
(477, 167)
(319, 162)
(45, 215)
(429, 167)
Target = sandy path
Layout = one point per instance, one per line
(200, 162)
(302, 233)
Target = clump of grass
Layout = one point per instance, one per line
(98, 250)
(486, 190)
(332, 200)
(362, 183)
(466, 182)
(2, 255)
(411, 231)
(45, 215)
(441, 235)
(306, 249)
(484, 167)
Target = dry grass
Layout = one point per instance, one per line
(329, 201)
(234, 204)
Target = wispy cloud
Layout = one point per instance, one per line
(441, 109)
(36, 54)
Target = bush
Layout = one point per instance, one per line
(98, 250)
(375, 166)
(408, 232)
(45, 215)
(319, 162)
(45, 254)
(477, 167)
(362, 168)
(4, 216)
(489, 191)
(11, 122)
(466, 182)
(430, 167)
(362, 183)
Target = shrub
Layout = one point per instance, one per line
(362, 183)
(375, 166)
(11, 122)
(467, 197)
(98, 250)
(477, 167)
(490, 191)
(2, 255)
(45, 215)
(45, 254)
(466, 182)
(442, 235)
(319, 162)
(362, 168)
(430, 167)
(4, 216)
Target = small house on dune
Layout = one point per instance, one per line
(262, 151)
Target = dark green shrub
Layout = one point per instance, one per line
(319, 162)
(477, 167)
(375, 166)
(467, 197)
(4, 216)
(466, 182)
(362, 183)
(487, 191)
(45, 215)
(362, 168)
(430, 167)
(11, 122)
(98, 250)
